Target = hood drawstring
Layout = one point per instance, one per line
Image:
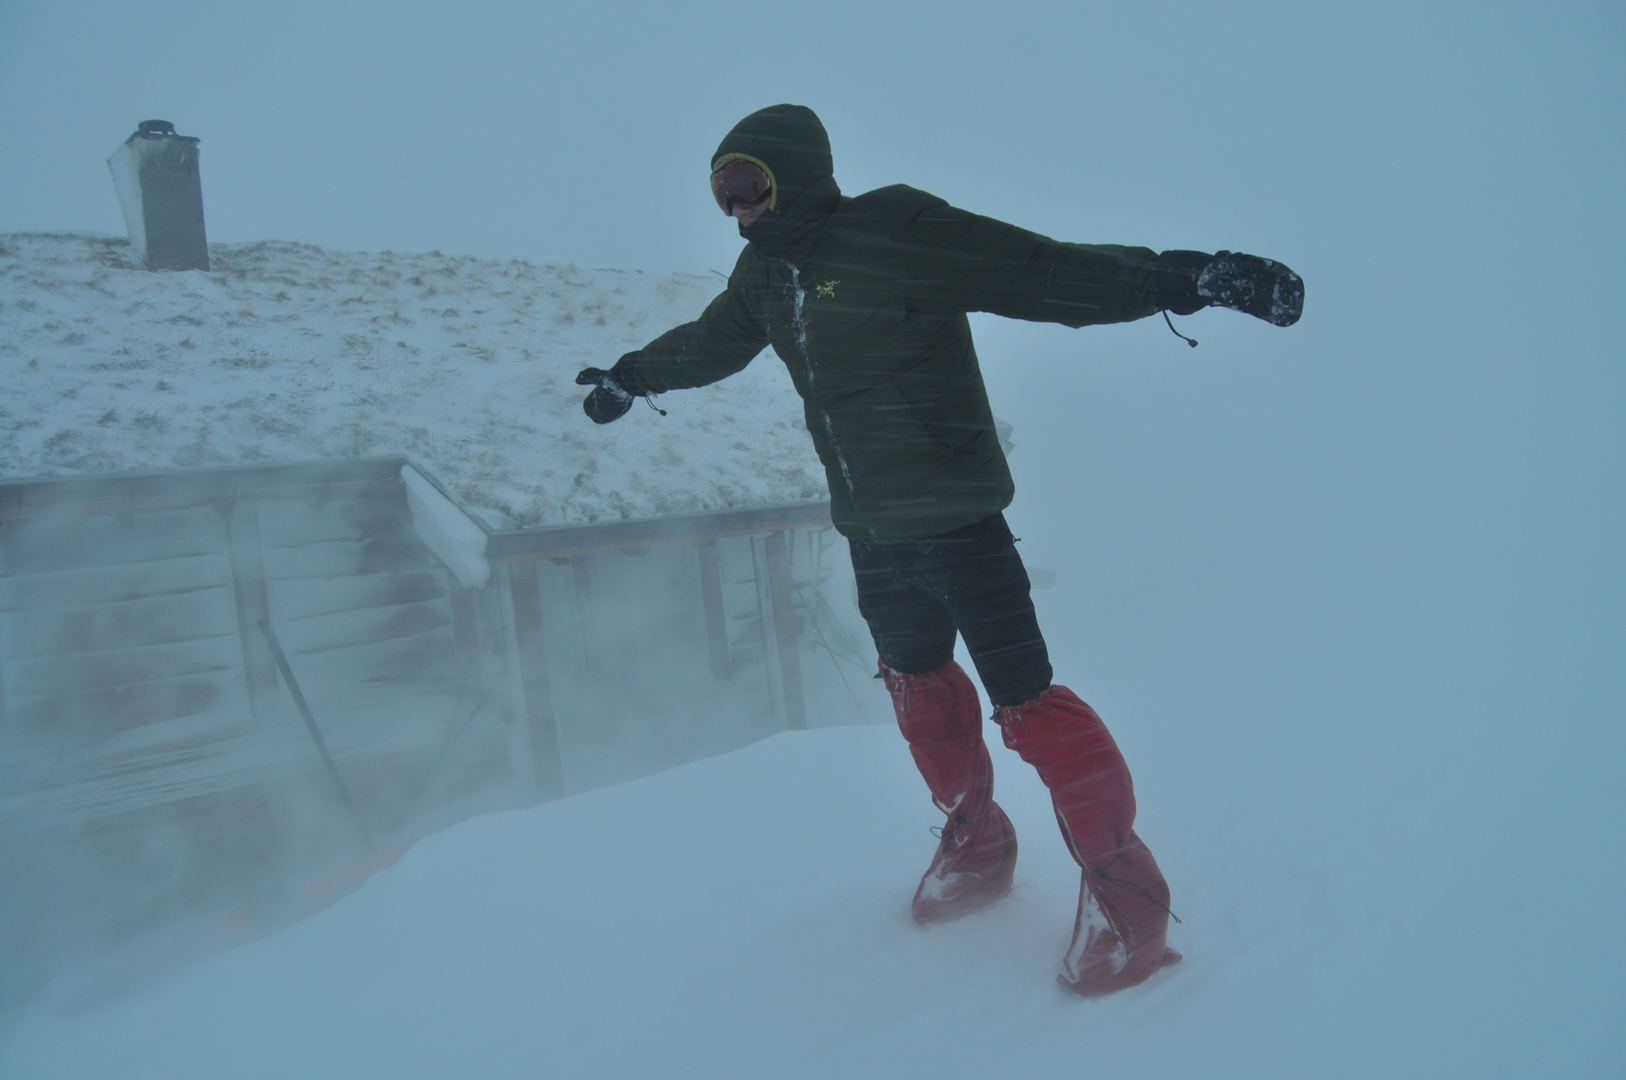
(1189, 341)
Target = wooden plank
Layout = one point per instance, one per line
(536, 693)
(124, 509)
(107, 585)
(53, 544)
(368, 626)
(150, 765)
(248, 590)
(784, 627)
(347, 678)
(74, 714)
(347, 558)
(711, 597)
(166, 761)
(120, 667)
(145, 491)
(564, 541)
(301, 518)
(365, 537)
(309, 598)
(161, 620)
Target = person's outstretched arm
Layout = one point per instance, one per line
(727, 336)
(962, 261)
(967, 262)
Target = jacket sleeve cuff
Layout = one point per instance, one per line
(625, 374)
(1174, 278)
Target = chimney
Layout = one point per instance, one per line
(156, 175)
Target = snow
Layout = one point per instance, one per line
(446, 530)
(125, 165)
(762, 929)
(748, 916)
(291, 352)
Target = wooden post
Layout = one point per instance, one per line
(711, 597)
(535, 692)
(465, 632)
(784, 630)
(248, 588)
(765, 632)
(5, 711)
(581, 577)
(8, 538)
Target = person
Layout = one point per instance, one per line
(865, 300)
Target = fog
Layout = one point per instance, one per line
(1349, 594)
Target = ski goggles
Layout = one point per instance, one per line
(736, 178)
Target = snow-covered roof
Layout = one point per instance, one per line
(290, 352)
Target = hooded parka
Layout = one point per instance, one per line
(865, 301)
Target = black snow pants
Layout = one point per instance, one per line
(917, 595)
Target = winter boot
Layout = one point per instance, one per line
(1123, 902)
(940, 717)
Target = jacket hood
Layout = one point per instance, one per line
(791, 142)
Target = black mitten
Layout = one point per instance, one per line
(613, 390)
(1187, 281)
(1263, 288)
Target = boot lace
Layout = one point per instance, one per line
(946, 831)
(1100, 874)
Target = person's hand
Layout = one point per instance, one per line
(607, 401)
(1263, 288)
(1188, 281)
(613, 390)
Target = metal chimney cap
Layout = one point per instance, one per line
(159, 129)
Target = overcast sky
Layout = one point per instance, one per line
(582, 131)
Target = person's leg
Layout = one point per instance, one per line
(913, 631)
(941, 719)
(1119, 933)
(979, 578)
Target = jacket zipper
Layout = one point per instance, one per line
(799, 325)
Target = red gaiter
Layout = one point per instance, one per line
(1123, 902)
(940, 716)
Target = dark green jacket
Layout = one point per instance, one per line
(865, 301)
